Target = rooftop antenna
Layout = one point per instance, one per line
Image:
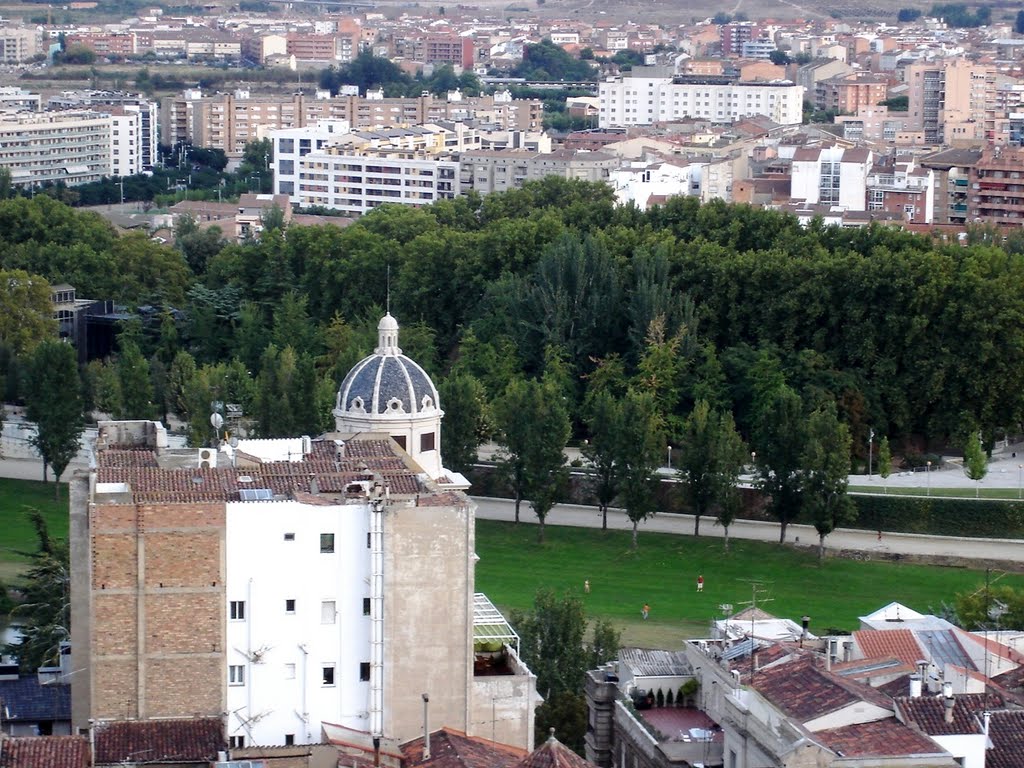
(387, 305)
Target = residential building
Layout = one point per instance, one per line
(847, 94)
(229, 121)
(113, 44)
(996, 187)
(145, 149)
(70, 147)
(15, 99)
(487, 171)
(951, 173)
(758, 49)
(18, 44)
(949, 98)
(901, 186)
(810, 74)
(880, 124)
(732, 36)
(294, 584)
(640, 99)
(831, 176)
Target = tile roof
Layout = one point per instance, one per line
(553, 754)
(26, 699)
(929, 713)
(806, 691)
(195, 740)
(44, 752)
(1006, 731)
(454, 749)
(884, 643)
(882, 738)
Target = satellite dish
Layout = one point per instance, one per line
(216, 421)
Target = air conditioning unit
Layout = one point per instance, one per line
(207, 458)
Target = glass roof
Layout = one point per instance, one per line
(490, 625)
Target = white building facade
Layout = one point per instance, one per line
(69, 147)
(642, 100)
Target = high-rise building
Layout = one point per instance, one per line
(70, 147)
(143, 112)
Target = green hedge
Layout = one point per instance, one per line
(941, 516)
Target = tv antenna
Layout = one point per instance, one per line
(757, 588)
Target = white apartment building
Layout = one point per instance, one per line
(354, 172)
(642, 100)
(831, 176)
(125, 142)
(120, 102)
(69, 147)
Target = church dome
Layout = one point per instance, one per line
(387, 382)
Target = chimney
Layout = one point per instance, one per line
(948, 701)
(915, 686)
(426, 727)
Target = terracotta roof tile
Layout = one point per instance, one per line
(196, 740)
(897, 643)
(805, 691)
(454, 749)
(1006, 730)
(929, 713)
(44, 752)
(882, 738)
(553, 754)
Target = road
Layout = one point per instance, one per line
(843, 538)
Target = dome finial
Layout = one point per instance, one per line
(387, 336)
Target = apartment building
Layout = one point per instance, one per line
(18, 44)
(949, 100)
(435, 49)
(293, 584)
(105, 43)
(731, 37)
(951, 170)
(15, 99)
(358, 171)
(880, 124)
(848, 94)
(229, 121)
(643, 99)
(487, 171)
(69, 147)
(996, 187)
(901, 186)
(831, 176)
(147, 137)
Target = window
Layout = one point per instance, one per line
(289, 537)
(289, 605)
(286, 146)
(368, 540)
(328, 612)
(366, 606)
(238, 610)
(236, 674)
(427, 441)
(289, 739)
(286, 167)
(364, 671)
(400, 439)
(328, 674)
(236, 742)
(289, 671)
(326, 542)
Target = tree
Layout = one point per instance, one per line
(534, 427)
(987, 604)
(733, 456)
(135, 385)
(884, 461)
(778, 57)
(640, 449)
(54, 400)
(26, 311)
(975, 462)
(553, 643)
(906, 15)
(465, 425)
(779, 439)
(601, 449)
(825, 467)
(44, 612)
(698, 464)
(1018, 24)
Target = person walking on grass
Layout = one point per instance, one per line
(645, 611)
(700, 582)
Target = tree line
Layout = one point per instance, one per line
(552, 300)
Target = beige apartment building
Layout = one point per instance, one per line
(18, 44)
(228, 121)
(949, 100)
(69, 147)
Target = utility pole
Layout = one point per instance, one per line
(871, 445)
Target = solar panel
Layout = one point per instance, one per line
(255, 494)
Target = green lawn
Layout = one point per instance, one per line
(16, 532)
(663, 573)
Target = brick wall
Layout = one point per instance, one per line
(157, 642)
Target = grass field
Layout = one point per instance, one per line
(956, 493)
(16, 532)
(663, 573)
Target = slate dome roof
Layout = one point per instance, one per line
(387, 382)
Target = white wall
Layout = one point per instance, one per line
(265, 570)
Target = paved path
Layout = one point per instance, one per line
(843, 538)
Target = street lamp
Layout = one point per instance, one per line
(753, 462)
(928, 469)
(871, 445)
(670, 457)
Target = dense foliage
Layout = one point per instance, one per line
(940, 516)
